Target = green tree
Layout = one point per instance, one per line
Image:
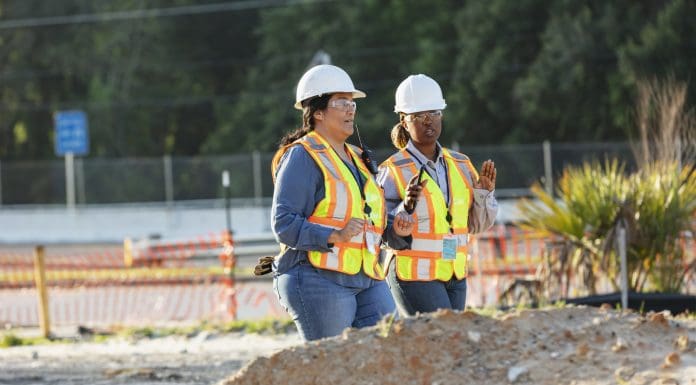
(498, 40)
(572, 91)
(150, 86)
(378, 44)
(662, 48)
(512, 72)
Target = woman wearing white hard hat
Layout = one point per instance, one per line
(329, 215)
(446, 196)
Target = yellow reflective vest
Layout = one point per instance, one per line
(424, 261)
(343, 201)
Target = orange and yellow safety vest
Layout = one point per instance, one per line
(343, 201)
(425, 261)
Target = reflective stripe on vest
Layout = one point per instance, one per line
(423, 261)
(342, 201)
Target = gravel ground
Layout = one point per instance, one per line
(202, 359)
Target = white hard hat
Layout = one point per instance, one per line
(324, 79)
(419, 93)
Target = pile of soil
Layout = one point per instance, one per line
(573, 345)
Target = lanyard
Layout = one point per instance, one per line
(366, 208)
(448, 215)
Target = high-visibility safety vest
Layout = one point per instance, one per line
(343, 201)
(424, 260)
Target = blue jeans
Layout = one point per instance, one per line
(426, 296)
(322, 308)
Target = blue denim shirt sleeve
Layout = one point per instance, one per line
(299, 187)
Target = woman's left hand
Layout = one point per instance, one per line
(487, 176)
(403, 224)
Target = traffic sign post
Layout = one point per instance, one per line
(72, 138)
(70, 181)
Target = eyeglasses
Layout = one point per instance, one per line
(420, 117)
(343, 105)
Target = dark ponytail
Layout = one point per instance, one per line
(399, 135)
(309, 107)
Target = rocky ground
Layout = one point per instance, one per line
(556, 346)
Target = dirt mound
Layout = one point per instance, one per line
(574, 345)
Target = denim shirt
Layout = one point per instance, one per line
(299, 187)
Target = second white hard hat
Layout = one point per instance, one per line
(324, 79)
(418, 93)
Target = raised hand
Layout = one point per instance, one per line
(354, 227)
(486, 176)
(403, 224)
(413, 192)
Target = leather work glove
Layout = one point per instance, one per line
(264, 266)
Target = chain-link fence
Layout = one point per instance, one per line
(167, 179)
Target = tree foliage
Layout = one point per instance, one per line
(512, 72)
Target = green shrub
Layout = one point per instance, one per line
(655, 204)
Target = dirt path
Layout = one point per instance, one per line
(203, 359)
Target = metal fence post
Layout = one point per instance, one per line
(70, 181)
(80, 180)
(168, 180)
(548, 172)
(256, 161)
(0, 183)
(621, 240)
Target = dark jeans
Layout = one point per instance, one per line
(426, 296)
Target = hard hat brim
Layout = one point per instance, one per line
(357, 94)
(412, 110)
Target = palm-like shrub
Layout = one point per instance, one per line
(656, 204)
(665, 198)
(588, 202)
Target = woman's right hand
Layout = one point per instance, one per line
(403, 224)
(413, 192)
(354, 227)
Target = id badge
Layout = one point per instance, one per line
(449, 246)
(371, 241)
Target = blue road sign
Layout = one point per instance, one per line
(72, 134)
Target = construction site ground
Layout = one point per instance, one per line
(204, 358)
(573, 345)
